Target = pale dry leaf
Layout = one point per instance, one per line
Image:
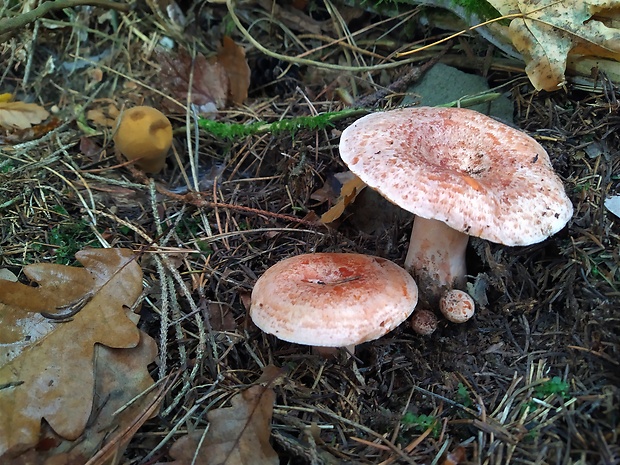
(613, 204)
(21, 115)
(237, 435)
(46, 369)
(351, 187)
(550, 31)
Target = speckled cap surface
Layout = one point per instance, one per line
(455, 165)
(332, 299)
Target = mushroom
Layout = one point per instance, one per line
(462, 174)
(457, 306)
(424, 322)
(332, 299)
(144, 134)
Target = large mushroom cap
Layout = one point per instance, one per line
(332, 299)
(460, 167)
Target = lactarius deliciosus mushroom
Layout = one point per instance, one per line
(332, 299)
(462, 174)
(144, 134)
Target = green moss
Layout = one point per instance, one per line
(69, 238)
(234, 131)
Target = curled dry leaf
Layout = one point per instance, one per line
(550, 30)
(237, 435)
(350, 187)
(21, 115)
(46, 364)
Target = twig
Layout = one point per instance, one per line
(10, 26)
(197, 199)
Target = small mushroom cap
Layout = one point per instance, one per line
(332, 299)
(458, 166)
(424, 322)
(457, 306)
(145, 133)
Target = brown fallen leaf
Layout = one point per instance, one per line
(237, 435)
(120, 376)
(209, 85)
(220, 317)
(21, 115)
(216, 81)
(232, 58)
(19, 136)
(46, 364)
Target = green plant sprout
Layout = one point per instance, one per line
(462, 395)
(553, 386)
(421, 423)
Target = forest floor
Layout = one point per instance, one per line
(534, 377)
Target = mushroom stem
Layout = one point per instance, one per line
(436, 258)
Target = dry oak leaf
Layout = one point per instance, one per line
(46, 368)
(237, 435)
(121, 375)
(550, 30)
(21, 115)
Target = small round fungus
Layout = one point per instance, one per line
(457, 306)
(144, 134)
(332, 299)
(462, 174)
(423, 322)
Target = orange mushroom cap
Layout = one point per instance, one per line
(332, 299)
(144, 134)
(424, 322)
(457, 306)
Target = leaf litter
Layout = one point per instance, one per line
(50, 335)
